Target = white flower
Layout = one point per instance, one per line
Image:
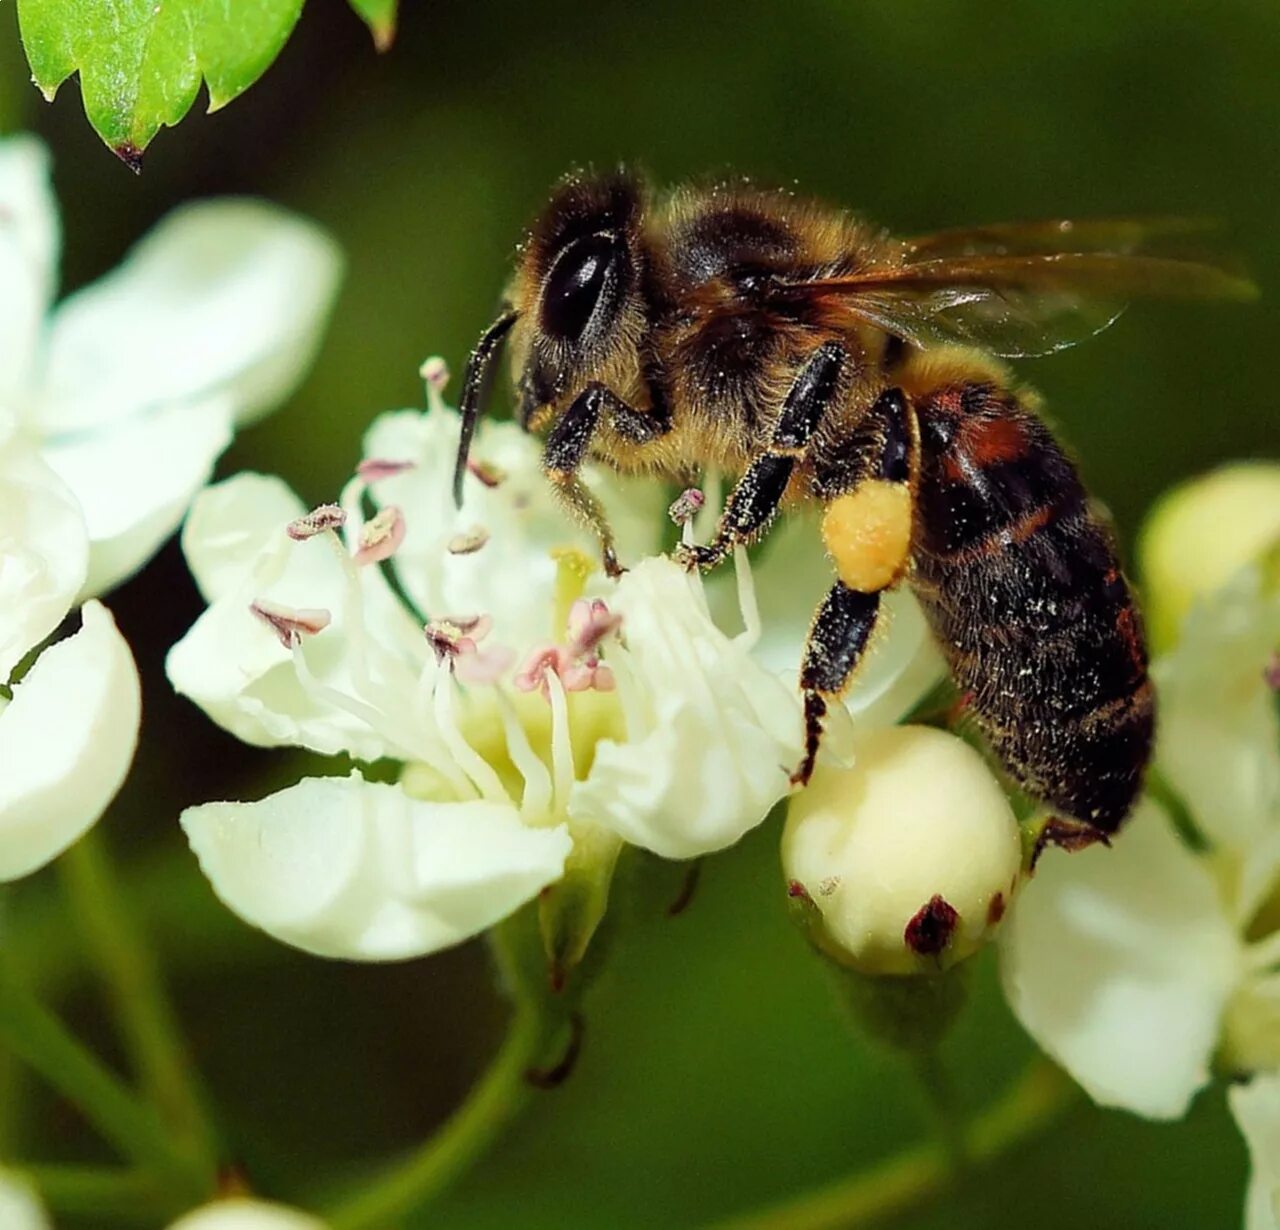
(1134, 966)
(113, 409)
(67, 734)
(130, 388)
(633, 716)
(20, 1208)
(1256, 1107)
(909, 858)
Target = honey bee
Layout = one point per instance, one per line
(819, 360)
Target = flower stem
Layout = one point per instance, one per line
(494, 1101)
(540, 1020)
(41, 1040)
(147, 1022)
(919, 1174)
(102, 1191)
(944, 1109)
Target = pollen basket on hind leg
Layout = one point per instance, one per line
(867, 533)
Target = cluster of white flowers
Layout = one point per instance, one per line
(521, 718)
(546, 714)
(114, 406)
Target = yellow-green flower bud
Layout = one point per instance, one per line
(909, 859)
(1200, 534)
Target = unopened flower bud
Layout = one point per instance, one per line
(1200, 534)
(909, 858)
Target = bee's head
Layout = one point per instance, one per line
(573, 310)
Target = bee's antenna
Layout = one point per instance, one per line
(475, 383)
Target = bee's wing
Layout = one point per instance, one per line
(1026, 288)
(1124, 236)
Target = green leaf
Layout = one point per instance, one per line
(141, 62)
(380, 17)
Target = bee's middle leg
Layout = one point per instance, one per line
(754, 502)
(568, 446)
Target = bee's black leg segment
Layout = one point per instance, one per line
(837, 640)
(752, 504)
(899, 460)
(475, 383)
(809, 396)
(754, 501)
(568, 445)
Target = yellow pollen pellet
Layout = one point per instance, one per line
(868, 534)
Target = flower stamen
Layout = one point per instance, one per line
(469, 542)
(381, 536)
(747, 604)
(317, 521)
(479, 770)
(435, 372)
(686, 506)
(456, 639)
(561, 740)
(536, 798)
(291, 625)
(373, 469)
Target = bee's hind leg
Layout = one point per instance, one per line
(838, 637)
(754, 502)
(867, 531)
(568, 446)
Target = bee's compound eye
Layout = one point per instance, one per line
(583, 274)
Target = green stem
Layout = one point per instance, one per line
(494, 1101)
(944, 1108)
(40, 1039)
(147, 1022)
(102, 1191)
(918, 1175)
(538, 1022)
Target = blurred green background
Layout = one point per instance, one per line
(718, 1073)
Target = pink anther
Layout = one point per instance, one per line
(288, 624)
(381, 536)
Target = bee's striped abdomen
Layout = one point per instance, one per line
(1021, 583)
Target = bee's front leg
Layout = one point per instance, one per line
(568, 446)
(754, 502)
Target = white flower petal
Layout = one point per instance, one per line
(1256, 1107)
(1119, 962)
(66, 741)
(135, 479)
(234, 666)
(221, 298)
(1219, 733)
(244, 1214)
(44, 552)
(347, 868)
(28, 256)
(230, 524)
(20, 1208)
(512, 577)
(712, 736)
